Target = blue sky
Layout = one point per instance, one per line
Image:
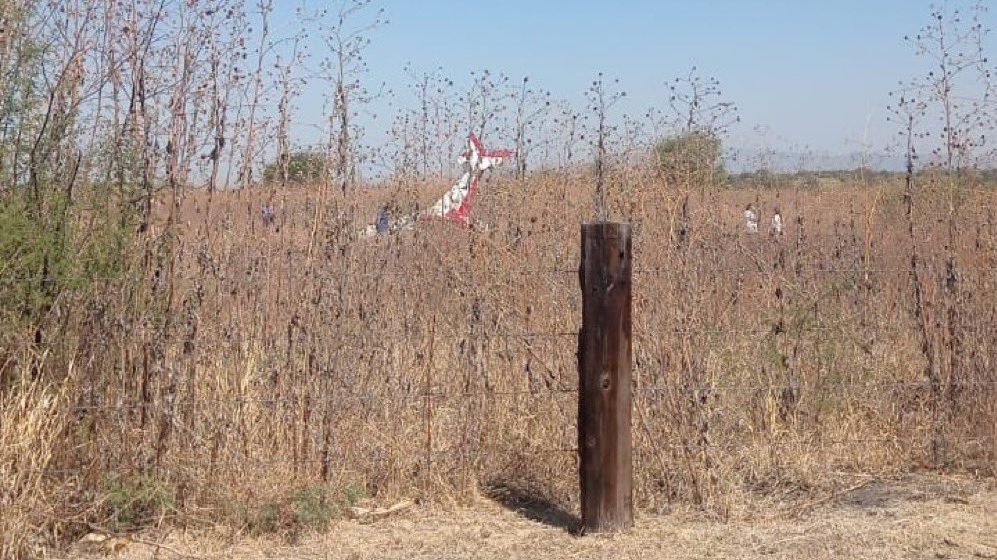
(812, 75)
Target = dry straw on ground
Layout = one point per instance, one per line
(919, 517)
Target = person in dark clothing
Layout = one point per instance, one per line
(268, 215)
(383, 221)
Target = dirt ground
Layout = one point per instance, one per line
(915, 517)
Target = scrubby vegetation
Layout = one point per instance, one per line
(168, 358)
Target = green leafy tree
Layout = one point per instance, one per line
(692, 158)
(297, 168)
(45, 256)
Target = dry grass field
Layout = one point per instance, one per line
(916, 517)
(175, 370)
(303, 371)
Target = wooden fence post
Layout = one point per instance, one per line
(604, 392)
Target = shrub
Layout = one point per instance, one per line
(303, 167)
(313, 509)
(691, 158)
(50, 248)
(137, 500)
(307, 508)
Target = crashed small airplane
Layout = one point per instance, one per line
(455, 206)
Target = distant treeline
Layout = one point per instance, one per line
(815, 179)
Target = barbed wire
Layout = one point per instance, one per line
(639, 450)
(707, 391)
(546, 391)
(639, 338)
(678, 271)
(457, 336)
(302, 399)
(789, 268)
(785, 442)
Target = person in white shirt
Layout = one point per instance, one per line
(751, 218)
(776, 228)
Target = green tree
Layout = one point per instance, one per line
(691, 158)
(297, 168)
(56, 252)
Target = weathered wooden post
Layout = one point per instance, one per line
(604, 392)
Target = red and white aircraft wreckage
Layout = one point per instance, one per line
(455, 206)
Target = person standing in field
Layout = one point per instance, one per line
(268, 215)
(751, 218)
(775, 230)
(383, 222)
